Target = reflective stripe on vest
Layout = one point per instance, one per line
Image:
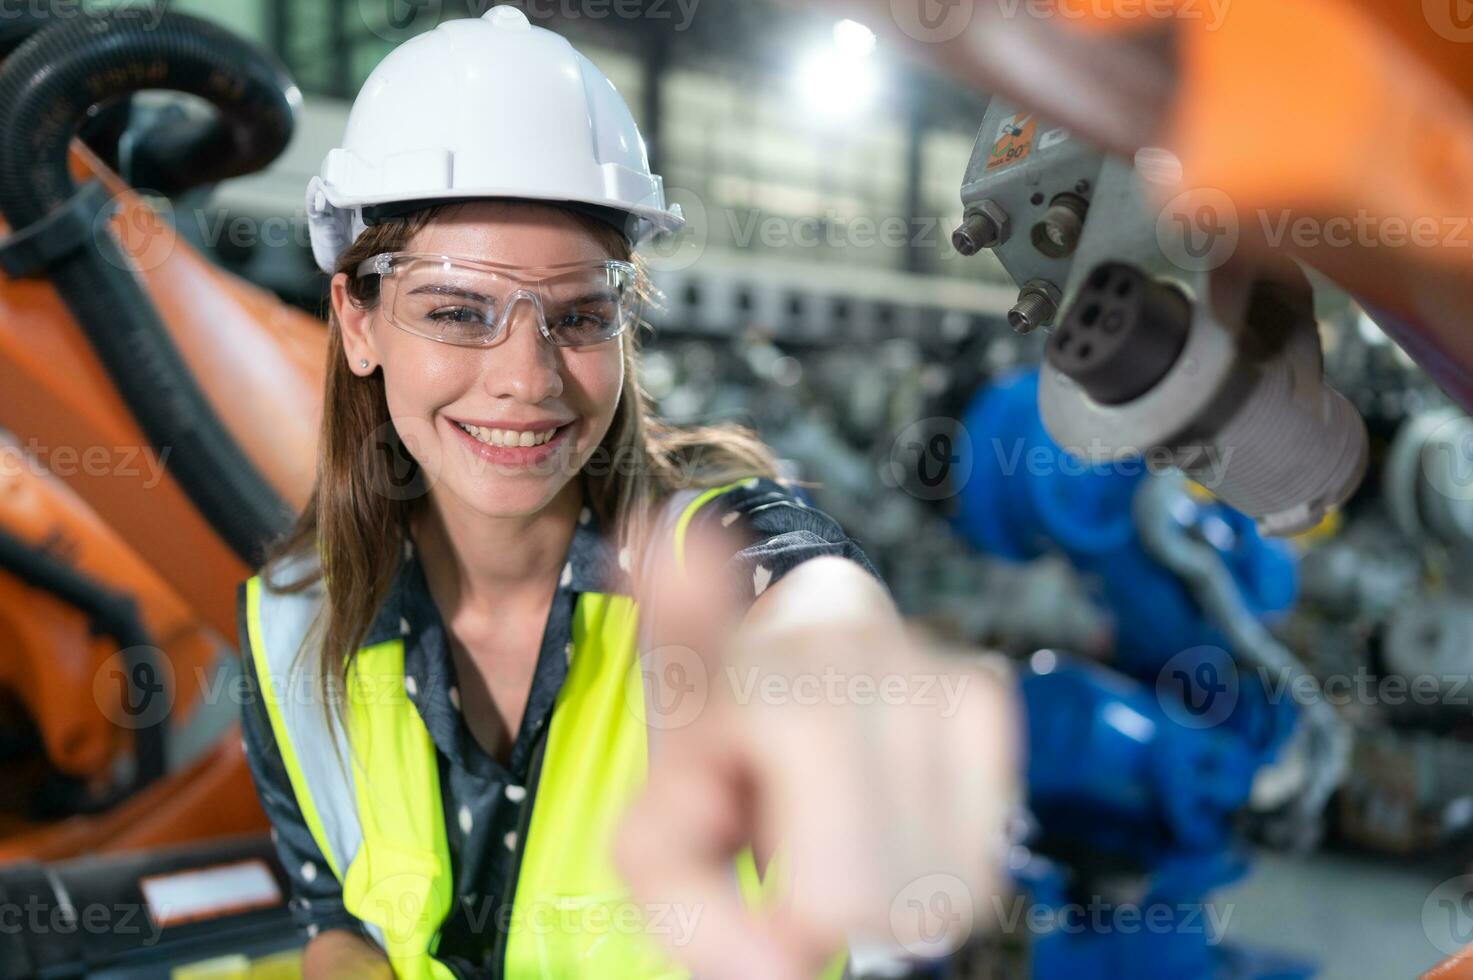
(380, 821)
(379, 835)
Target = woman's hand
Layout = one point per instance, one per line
(338, 954)
(880, 771)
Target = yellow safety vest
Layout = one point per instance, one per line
(380, 821)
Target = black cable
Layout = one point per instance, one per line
(47, 86)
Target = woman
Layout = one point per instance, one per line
(487, 465)
(459, 695)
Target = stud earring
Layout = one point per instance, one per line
(363, 362)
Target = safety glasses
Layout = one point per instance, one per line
(468, 303)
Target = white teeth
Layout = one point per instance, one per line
(507, 437)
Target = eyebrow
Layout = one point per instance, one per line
(445, 289)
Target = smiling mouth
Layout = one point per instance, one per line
(509, 438)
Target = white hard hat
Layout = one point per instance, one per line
(486, 107)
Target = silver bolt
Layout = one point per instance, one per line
(984, 226)
(1038, 304)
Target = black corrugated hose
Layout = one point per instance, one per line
(47, 86)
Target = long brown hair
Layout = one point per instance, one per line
(368, 487)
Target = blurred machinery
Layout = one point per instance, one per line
(1141, 773)
(145, 468)
(1179, 351)
(1210, 369)
(1387, 605)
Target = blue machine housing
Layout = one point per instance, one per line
(1025, 497)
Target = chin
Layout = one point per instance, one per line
(511, 497)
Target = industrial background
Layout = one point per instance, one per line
(818, 294)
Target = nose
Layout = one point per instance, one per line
(522, 364)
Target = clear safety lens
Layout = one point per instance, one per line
(469, 304)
